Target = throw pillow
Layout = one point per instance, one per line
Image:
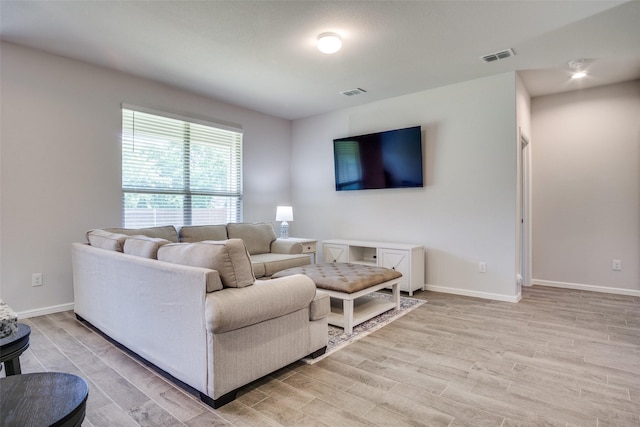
(257, 237)
(106, 240)
(228, 257)
(143, 246)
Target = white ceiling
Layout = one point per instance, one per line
(261, 54)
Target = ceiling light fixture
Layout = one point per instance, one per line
(577, 69)
(329, 43)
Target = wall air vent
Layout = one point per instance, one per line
(352, 92)
(503, 54)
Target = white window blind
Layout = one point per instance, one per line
(179, 171)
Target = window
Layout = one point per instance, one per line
(179, 171)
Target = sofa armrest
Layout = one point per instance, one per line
(235, 308)
(285, 246)
(320, 306)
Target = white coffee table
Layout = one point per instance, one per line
(350, 286)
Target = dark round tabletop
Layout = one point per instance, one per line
(43, 399)
(14, 344)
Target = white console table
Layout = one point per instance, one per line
(408, 259)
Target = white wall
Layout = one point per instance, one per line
(60, 163)
(586, 187)
(466, 211)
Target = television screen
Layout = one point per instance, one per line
(391, 159)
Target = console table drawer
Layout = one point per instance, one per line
(308, 247)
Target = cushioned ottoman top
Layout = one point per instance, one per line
(341, 277)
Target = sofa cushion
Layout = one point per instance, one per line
(233, 309)
(256, 237)
(276, 262)
(106, 240)
(143, 246)
(228, 257)
(198, 233)
(163, 232)
(258, 268)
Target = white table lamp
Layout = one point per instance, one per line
(284, 214)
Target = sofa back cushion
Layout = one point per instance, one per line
(143, 246)
(228, 257)
(163, 232)
(106, 240)
(198, 233)
(256, 237)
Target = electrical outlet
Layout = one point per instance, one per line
(36, 279)
(482, 267)
(617, 265)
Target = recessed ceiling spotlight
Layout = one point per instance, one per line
(329, 43)
(577, 69)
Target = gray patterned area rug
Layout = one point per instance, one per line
(338, 339)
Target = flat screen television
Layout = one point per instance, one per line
(390, 159)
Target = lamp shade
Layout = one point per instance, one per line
(284, 213)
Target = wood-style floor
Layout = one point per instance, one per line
(557, 358)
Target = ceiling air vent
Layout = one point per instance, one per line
(352, 92)
(503, 54)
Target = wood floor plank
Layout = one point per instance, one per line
(206, 419)
(175, 401)
(151, 414)
(110, 416)
(384, 418)
(463, 414)
(280, 411)
(326, 376)
(285, 394)
(552, 410)
(416, 378)
(610, 408)
(332, 416)
(238, 414)
(401, 405)
(330, 395)
(356, 374)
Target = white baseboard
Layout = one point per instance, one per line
(591, 288)
(476, 294)
(45, 310)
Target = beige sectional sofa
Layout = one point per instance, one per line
(194, 308)
(268, 253)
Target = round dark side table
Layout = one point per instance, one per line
(12, 346)
(43, 399)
